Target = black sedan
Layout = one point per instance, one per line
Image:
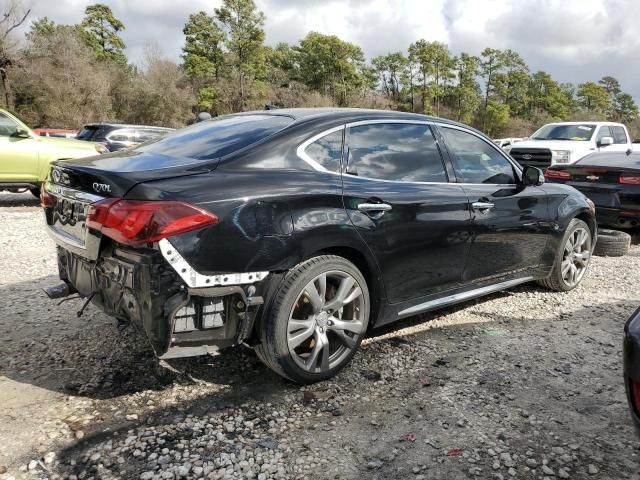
(294, 231)
(631, 354)
(611, 180)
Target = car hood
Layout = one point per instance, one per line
(67, 143)
(570, 145)
(114, 174)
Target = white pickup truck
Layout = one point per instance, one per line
(568, 142)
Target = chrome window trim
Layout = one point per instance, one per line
(302, 154)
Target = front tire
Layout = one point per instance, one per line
(572, 258)
(316, 321)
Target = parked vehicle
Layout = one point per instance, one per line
(507, 143)
(567, 142)
(55, 132)
(295, 230)
(25, 156)
(611, 180)
(116, 136)
(631, 356)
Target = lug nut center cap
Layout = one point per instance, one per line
(322, 318)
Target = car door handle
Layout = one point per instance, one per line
(374, 207)
(482, 205)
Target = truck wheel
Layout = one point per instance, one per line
(612, 243)
(316, 321)
(35, 192)
(572, 258)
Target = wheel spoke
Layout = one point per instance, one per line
(317, 301)
(322, 284)
(566, 266)
(354, 326)
(342, 294)
(345, 339)
(322, 343)
(296, 339)
(582, 258)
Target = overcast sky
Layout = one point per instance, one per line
(574, 40)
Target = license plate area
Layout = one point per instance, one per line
(67, 219)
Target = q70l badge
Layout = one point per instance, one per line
(101, 187)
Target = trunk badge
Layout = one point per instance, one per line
(101, 187)
(593, 178)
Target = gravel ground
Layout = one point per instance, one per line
(524, 384)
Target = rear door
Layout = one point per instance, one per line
(511, 223)
(397, 194)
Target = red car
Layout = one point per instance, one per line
(55, 132)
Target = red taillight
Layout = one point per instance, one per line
(557, 174)
(136, 222)
(629, 179)
(47, 200)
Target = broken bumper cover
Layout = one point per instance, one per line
(179, 318)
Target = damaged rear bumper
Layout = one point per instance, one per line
(180, 318)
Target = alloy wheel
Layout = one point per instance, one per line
(326, 321)
(575, 258)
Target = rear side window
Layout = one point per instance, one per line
(326, 151)
(475, 160)
(94, 132)
(217, 137)
(619, 135)
(395, 151)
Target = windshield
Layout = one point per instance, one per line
(582, 133)
(217, 137)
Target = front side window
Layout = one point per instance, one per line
(604, 132)
(326, 151)
(7, 126)
(619, 135)
(395, 151)
(477, 161)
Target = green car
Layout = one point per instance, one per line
(25, 156)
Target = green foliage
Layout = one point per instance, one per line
(100, 30)
(466, 93)
(593, 97)
(202, 52)
(332, 66)
(496, 116)
(435, 67)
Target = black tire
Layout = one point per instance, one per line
(273, 328)
(555, 281)
(35, 192)
(612, 243)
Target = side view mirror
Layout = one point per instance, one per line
(532, 176)
(605, 141)
(21, 133)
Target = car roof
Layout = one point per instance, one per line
(125, 125)
(588, 122)
(350, 115)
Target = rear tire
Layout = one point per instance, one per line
(316, 321)
(572, 258)
(612, 243)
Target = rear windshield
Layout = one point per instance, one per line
(217, 137)
(94, 132)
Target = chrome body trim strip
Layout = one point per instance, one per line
(461, 297)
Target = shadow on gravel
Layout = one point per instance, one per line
(18, 200)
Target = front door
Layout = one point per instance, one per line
(511, 224)
(396, 193)
(18, 155)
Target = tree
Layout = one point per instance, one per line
(466, 92)
(100, 30)
(491, 64)
(243, 24)
(331, 66)
(12, 16)
(496, 117)
(390, 69)
(546, 96)
(625, 109)
(202, 52)
(435, 66)
(511, 82)
(593, 97)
